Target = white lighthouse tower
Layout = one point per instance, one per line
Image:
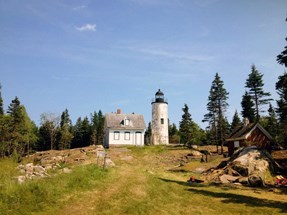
(159, 123)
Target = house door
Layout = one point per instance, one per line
(138, 138)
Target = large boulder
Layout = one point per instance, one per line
(249, 165)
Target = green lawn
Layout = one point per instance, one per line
(141, 185)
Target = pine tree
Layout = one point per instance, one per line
(236, 122)
(272, 124)
(282, 57)
(95, 125)
(147, 134)
(65, 118)
(281, 88)
(1, 103)
(217, 106)
(190, 132)
(65, 133)
(185, 126)
(100, 129)
(248, 110)
(255, 85)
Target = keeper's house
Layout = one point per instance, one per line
(124, 129)
(249, 134)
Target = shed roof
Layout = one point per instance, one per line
(116, 121)
(242, 132)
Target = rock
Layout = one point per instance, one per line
(109, 162)
(255, 181)
(126, 158)
(194, 147)
(195, 153)
(66, 170)
(225, 179)
(199, 170)
(243, 180)
(39, 169)
(21, 179)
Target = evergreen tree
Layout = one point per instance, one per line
(100, 129)
(282, 57)
(65, 133)
(65, 118)
(281, 88)
(1, 103)
(190, 132)
(95, 125)
(65, 137)
(255, 85)
(185, 126)
(86, 132)
(147, 134)
(236, 122)
(49, 128)
(217, 106)
(248, 110)
(272, 124)
(173, 134)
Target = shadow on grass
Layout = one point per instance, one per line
(230, 197)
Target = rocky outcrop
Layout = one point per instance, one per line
(53, 159)
(249, 165)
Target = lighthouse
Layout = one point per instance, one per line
(159, 122)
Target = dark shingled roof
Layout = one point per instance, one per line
(240, 132)
(116, 121)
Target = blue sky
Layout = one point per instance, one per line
(107, 54)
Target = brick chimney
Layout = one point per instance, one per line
(118, 111)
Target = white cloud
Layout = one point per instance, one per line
(87, 27)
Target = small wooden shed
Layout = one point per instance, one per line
(247, 135)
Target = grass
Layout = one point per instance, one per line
(138, 186)
(38, 195)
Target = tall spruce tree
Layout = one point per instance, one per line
(100, 129)
(236, 122)
(217, 106)
(65, 131)
(282, 57)
(272, 124)
(1, 102)
(255, 85)
(281, 88)
(248, 109)
(185, 126)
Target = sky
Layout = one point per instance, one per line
(91, 55)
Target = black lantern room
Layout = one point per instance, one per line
(159, 97)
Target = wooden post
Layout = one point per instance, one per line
(104, 165)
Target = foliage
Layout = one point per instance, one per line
(190, 132)
(248, 110)
(147, 134)
(1, 102)
(282, 57)
(173, 134)
(236, 122)
(49, 128)
(255, 85)
(281, 87)
(216, 107)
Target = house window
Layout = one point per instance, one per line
(116, 135)
(162, 121)
(127, 122)
(127, 135)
